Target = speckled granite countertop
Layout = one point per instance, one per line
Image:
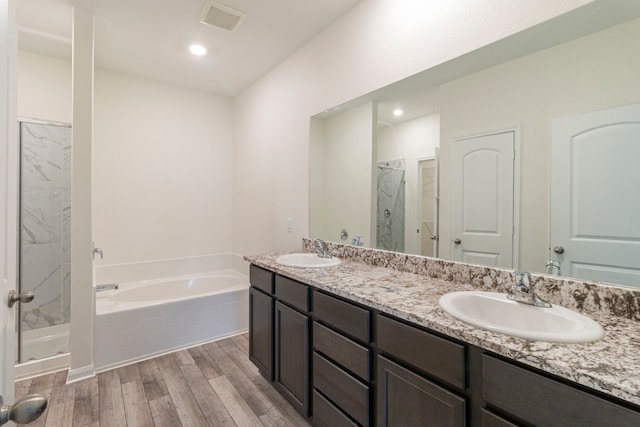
(611, 365)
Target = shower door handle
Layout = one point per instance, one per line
(23, 297)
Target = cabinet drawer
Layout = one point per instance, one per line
(345, 391)
(327, 415)
(343, 316)
(261, 279)
(342, 350)
(493, 420)
(544, 402)
(437, 356)
(293, 293)
(407, 399)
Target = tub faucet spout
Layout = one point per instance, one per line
(107, 287)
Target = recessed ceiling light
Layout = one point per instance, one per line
(197, 49)
(397, 112)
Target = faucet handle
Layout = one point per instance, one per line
(523, 278)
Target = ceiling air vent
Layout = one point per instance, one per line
(221, 16)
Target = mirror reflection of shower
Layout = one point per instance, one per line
(390, 205)
(45, 234)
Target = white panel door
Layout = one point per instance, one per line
(483, 199)
(595, 195)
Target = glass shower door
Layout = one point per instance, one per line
(45, 259)
(390, 205)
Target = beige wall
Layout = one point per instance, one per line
(411, 140)
(375, 44)
(44, 87)
(595, 72)
(343, 167)
(162, 168)
(162, 160)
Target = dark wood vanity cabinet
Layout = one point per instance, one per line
(411, 365)
(261, 305)
(343, 364)
(279, 334)
(292, 356)
(532, 398)
(405, 398)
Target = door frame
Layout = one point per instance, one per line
(517, 146)
(9, 180)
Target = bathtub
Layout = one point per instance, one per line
(145, 318)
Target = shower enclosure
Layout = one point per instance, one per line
(44, 257)
(390, 205)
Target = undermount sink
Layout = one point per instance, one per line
(307, 260)
(494, 312)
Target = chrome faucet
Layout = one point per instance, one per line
(97, 251)
(321, 248)
(522, 290)
(100, 288)
(357, 241)
(552, 267)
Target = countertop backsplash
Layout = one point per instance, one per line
(586, 297)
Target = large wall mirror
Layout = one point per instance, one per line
(524, 154)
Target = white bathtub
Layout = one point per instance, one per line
(146, 318)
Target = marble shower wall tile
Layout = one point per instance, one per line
(585, 296)
(41, 272)
(45, 223)
(42, 149)
(42, 216)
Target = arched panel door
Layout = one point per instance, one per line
(595, 195)
(483, 199)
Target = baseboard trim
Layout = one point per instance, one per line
(80, 374)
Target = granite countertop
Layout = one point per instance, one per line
(611, 365)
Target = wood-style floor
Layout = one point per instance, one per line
(214, 384)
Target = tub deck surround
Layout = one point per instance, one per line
(167, 305)
(379, 279)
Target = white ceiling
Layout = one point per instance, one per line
(149, 38)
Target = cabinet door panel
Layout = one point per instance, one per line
(545, 402)
(407, 399)
(261, 332)
(292, 356)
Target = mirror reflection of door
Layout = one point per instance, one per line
(427, 233)
(595, 179)
(483, 199)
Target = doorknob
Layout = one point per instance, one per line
(23, 297)
(457, 241)
(558, 249)
(27, 409)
